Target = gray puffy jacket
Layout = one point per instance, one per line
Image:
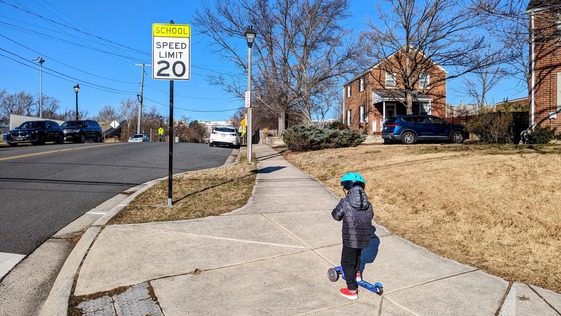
(356, 213)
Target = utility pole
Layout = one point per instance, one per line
(41, 61)
(140, 97)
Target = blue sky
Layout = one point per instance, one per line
(96, 44)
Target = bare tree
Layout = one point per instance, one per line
(426, 32)
(19, 103)
(300, 46)
(478, 84)
(151, 121)
(128, 111)
(4, 109)
(51, 106)
(70, 115)
(321, 58)
(509, 25)
(107, 114)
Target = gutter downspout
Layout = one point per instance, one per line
(532, 71)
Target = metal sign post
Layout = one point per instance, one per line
(171, 57)
(170, 159)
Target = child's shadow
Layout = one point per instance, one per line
(369, 253)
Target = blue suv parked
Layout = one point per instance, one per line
(412, 128)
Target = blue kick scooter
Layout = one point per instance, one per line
(333, 276)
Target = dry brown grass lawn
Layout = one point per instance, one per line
(195, 194)
(497, 208)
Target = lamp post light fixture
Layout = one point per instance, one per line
(76, 89)
(250, 34)
(41, 61)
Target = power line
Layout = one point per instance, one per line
(63, 76)
(196, 111)
(71, 67)
(73, 28)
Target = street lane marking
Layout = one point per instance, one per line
(51, 152)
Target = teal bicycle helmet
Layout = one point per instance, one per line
(351, 179)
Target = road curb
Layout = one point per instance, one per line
(57, 301)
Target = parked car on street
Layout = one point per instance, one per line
(138, 138)
(81, 130)
(36, 133)
(412, 128)
(224, 136)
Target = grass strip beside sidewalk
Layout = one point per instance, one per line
(196, 194)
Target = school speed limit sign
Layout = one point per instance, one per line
(171, 51)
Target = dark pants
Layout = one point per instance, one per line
(350, 262)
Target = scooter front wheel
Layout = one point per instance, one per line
(332, 275)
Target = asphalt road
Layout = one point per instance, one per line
(44, 188)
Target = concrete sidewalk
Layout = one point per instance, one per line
(271, 257)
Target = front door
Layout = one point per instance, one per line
(390, 110)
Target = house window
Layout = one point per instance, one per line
(424, 108)
(558, 26)
(362, 114)
(390, 79)
(349, 120)
(558, 91)
(361, 85)
(423, 81)
(349, 91)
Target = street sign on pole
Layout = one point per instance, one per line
(171, 51)
(247, 99)
(171, 60)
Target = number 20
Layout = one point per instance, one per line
(174, 68)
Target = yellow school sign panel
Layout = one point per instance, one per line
(171, 51)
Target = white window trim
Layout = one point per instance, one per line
(423, 84)
(349, 117)
(558, 26)
(391, 80)
(361, 85)
(558, 91)
(349, 91)
(361, 114)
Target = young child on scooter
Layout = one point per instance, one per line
(356, 213)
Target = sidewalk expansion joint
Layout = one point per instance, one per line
(299, 239)
(241, 240)
(432, 281)
(198, 271)
(543, 299)
(503, 299)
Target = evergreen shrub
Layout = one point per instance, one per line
(542, 135)
(302, 138)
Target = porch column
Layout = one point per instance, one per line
(384, 115)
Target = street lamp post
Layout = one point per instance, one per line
(41, 61)
(76, 89)
(250, 34)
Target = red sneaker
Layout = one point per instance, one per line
(352, 295)
(358, 276)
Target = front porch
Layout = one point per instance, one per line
(388, 103)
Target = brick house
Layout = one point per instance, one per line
(545, 62)
(379, 92)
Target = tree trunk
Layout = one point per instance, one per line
(282, 120)
(409, 104)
